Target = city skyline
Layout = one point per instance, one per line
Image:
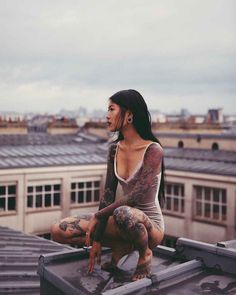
(62, 55)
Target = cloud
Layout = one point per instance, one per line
(59, 54)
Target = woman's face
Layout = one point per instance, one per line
(113, 117)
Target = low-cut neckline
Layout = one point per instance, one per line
(137, 168)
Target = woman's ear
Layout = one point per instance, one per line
(129, 117)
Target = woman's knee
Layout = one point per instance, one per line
(124, 217)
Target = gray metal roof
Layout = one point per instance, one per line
(201, 161)
(19, 259)
(41, 138)
(51, 155)
(192, 268)
(82, 149)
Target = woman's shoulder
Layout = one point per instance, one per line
(154, 151)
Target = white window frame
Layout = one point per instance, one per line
(211, 202)
(7, 196)
(180, 198)
(76, 190)
(43, 183)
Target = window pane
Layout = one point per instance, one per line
(223, 196)
(199, 209)
(2, 190)
(30, 189)
(96, 195)
(224, 212)
(168, 203)
(182, 205)
(11, 190)
(73, 185)
(38, 201)
(207, 210)
(182, 190)
(216, 211)
(56, 199)
(81, 197)
(89, 196)
(81, 185)
(97, 183)
(2, 204)
(216, 195)
(57, 187)
(11, 203)
(198, 192)
(207, 193)
(176, 204)
(39, 188)
(47, 200)
(30, 201)
(89, 184)
(48, 188)
(176, 190)
(72, 197)
(168, 189)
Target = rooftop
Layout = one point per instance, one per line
(192, 268)
(44, 150)
(19, 259)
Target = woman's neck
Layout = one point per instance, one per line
(131, 136)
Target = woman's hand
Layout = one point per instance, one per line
(95, 252)
(91, 228)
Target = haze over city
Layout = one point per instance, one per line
(62, 55)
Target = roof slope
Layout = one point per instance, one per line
(19, 259)
(44, 150)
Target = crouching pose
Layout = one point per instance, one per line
(134, 220)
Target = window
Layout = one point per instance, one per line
(7, 198)
(85, 191)
(215, 146)
(43, 196)
(210, 203)
(174, 198)
(180, 144)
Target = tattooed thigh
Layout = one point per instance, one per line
(74, 224)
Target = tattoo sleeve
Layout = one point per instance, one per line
(109, 193)
(147, 181)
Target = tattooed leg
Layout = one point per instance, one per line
(135, 226)
(71, 230)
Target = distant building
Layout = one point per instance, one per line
(13, 126)
(215, 116)
(62, 126)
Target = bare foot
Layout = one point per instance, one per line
(143, 269)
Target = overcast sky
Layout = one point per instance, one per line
(66, 54)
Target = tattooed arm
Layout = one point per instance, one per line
(147, 178)
(109, 193)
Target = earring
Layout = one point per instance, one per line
(130, 120)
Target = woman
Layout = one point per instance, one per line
(133, 221)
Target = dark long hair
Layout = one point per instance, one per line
(133, 101)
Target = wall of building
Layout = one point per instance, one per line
(204, 143)
(203, 229)
(38, 220)
(177, 224)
